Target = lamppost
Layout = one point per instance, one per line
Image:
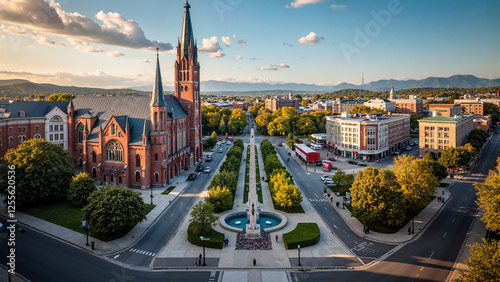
(22, 230)
(86, 227)
(151, 194)
(413, 221)
(298, 248)
(204, 239)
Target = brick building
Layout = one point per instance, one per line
(445, 110)
(275, 103)
(134, 141)
(413, 104)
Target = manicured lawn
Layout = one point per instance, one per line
(305, 234)
(168, 190)
(69, 216)
(216, 238)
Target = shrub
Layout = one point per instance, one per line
(80, 189)
(305, 234)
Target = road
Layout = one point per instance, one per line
(432, 255)
(144, 250)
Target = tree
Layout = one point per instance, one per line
(213, 135)
(262, 121)
(414, 120)
(225, 179)
(365, 109)
(231, 128)
(223, 125)
(376, 199)
(254, 110)
(416, 181)
(80, 189)
(43, 171)
(492, 111)
(220, 198)
(271, 162)
(343, 180)
(112, 208)
(287, 196)
(483, 262)
(203, 218)
(450, 158)
(239, 119)
(279, 126)
(304, 103)
(60, 97)
(214, 120)
(278, 179)
(488, 198)
(437, 169)
(305, 125)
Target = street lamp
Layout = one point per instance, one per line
(22, 230)
(86, 227)
(204, 239)
(299, 253)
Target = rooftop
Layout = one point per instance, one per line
(446, 119)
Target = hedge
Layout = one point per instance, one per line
(305, 234)
(215, 242)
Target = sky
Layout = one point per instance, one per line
(112, 43)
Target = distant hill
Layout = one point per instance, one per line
(24, 88)
(460, 81)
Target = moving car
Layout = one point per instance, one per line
(331, 159)
(192, 176)
(362, 164)
(324, 177)
(207, 169)
(353, 162)
(208, 159)
(328, 181)
(220, 151)
(279, 144)
(199, 167)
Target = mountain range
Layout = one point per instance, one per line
(22, 88)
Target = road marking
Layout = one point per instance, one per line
(308, 173)
(453, 220)
(333, 218)
(422, 268)
(308, 185)
(466, 198)
(115, 257)
(431, 254)
(348, 235)
(325, 208)
(171, 215)
(315, 194)
(182, 203)
(445, 234)
(131, 250)
(336, 226)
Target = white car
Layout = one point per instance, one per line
(220, 151)
(324, 177)
(207, 170)
(328, 181)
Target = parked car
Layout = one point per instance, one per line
(397, 152)
(207, 169)
(331, 159)
(334, 167)
(192, 176)
(319, 163)
(220, 151)
(353, 162)
(408, 148)
(279, 144)
(362, 164)
(199, 167)
(208, 159)
(324, 177)
(328, 181)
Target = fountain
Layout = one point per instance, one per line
(253, 219)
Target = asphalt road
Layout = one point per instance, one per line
(169, 221)
(432, 255)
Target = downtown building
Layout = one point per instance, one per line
(413, 104)
(367, 137)
(275, 103)
(137, 141)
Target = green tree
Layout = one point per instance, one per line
(43, 171)
(214, 120)
(113, 208)
(488, 198)
(239, 119)
(376, 199)
(80, 189)
(343, 180)
(366, 110)
(287, 196)
(271, 162)
(279, 126)
(225, 179)
(203, 218)
(254, 110)
(483, 262)
(60, 97)
(414, 120)
(262, 121)
(492, 111)
(222, 126)
(437, 169)
(416, 181)
(220, 198)
(305, 125)
(304, 103)
(231, 128)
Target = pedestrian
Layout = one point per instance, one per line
(276, 237)
(409, 230)
(315, 170)
(199, 261)
(367, 229)
(254, 262)
(439, 198)
(195, 262)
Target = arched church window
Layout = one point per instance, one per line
(80, 130)
(114, 151)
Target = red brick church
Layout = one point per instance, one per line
(134, 141)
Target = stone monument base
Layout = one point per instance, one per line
(252, 233)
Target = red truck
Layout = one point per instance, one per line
(306, 153)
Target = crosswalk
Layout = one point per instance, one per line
(317, 200)
(142, 252)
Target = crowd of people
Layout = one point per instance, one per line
(262, 243)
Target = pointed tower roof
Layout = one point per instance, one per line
(187, 37)
(391, 94)
(70, 105)
(157, 99)
(126, 123)
(85, 129)
(144, 130)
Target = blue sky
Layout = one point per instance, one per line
(111, 43)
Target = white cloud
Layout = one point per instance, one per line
(234, 35)
(216, 55)
(238, 57)
(338, 6)
(242, 42)
(310, 39)
(300, 3)
(3, 37)
(41, 39)
(49, 17)
(283, 66)
(88, 48)
(210, 45)
(271, 68)
(227, 40)
(115, 54)
(143, 61)
(12, 29)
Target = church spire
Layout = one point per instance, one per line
(187, 37)
(157, 99)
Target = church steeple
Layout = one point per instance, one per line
(391, 94)
(157, 99)
(187, 37)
